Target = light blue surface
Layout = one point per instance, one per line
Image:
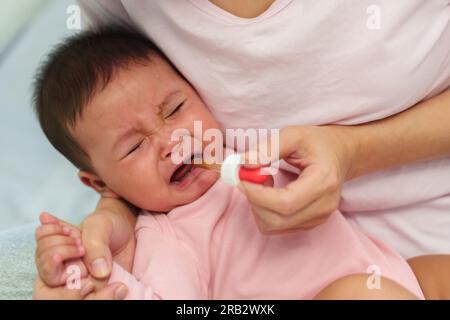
(33, 176)
(17, 267)
(14, 15)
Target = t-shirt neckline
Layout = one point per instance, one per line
(213, 10)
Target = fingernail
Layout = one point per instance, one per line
(100, 268)
(121, 293)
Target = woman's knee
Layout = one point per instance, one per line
(357, 286)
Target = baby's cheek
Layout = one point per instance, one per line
(151, 195)
(130, 187)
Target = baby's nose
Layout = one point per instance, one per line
(181, 147)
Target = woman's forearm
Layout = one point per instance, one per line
(417, 134)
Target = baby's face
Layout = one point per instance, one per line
(126, 131)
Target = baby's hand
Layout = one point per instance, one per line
(58, 248)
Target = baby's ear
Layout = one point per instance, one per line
(93, 181)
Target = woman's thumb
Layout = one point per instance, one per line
(115, 291)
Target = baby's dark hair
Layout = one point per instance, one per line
(74, 71)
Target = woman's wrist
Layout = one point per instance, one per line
(417, 134)
(349, 149)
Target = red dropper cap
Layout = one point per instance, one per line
(252, 175)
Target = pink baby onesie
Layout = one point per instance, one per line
(213, 249)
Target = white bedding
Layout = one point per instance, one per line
(33, 176)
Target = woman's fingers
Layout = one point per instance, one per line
(272, 150)
(306, 202)
(42, 292)
(115, 291)
(288, 200)
(271, 222)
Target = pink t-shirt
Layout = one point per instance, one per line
(213, 249)
(319, 62)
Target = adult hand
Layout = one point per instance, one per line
(324, 156)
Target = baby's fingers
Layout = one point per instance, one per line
(50, 262)
(66, 252)
(56, 240)
(53, 257)
(50, 230)
(47, 218)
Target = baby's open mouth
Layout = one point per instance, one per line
(182, 172)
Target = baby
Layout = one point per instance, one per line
(109, 101)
